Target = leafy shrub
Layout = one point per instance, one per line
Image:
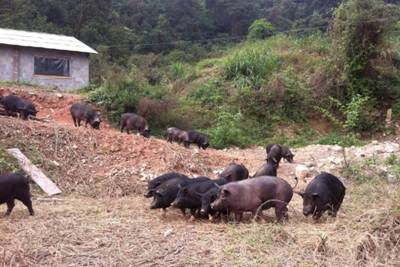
(284, 98)
(356, 112)
(123, 96)
(396, 109)
(209, 94)
(360, 29)
(260, 29)
(355, 115)
(227, 131)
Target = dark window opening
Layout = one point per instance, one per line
(51, 66)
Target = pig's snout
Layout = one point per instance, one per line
(203, 212)
(175, 204)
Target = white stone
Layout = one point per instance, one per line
(302, 171)
(309, 164)
(337, 148)
(391, 178)
(391, 147)
(168, 232)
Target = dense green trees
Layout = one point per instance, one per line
(370, 80)
(155, 24)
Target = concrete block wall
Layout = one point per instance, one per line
(17, 64)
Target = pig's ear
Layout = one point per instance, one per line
(315, 195)
(226, 192)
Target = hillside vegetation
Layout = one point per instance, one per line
(245, 72)
(273, 87)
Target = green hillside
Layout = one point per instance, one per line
(245, 72)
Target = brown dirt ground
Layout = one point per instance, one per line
(102, 219)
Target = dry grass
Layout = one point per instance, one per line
(77, 231)
(88, 232)
(366, 233)
(102, 163)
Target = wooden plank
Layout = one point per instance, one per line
(37, 175)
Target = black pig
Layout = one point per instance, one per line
(156, 182)
(235, 172)
(132, 121)
(84, 112)
(268, 169)
(276, 152)
(324, 192)
(14, 104)
(176, 135)
(251, 194)
(15, 186)
(167, 191)
(197, 138)
(189, 196)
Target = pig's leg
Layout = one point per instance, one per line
(317, 214)
(25, 198)
(281, 212)
(74, 119)
(183, 212)
(10, 206)
(238, 216)
(28, 203)
(164, 213)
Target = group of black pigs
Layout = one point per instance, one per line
(234, 192)
(17, 106)
(131, 121)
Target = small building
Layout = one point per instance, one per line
(44, 59)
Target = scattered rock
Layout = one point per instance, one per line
(337, 148)
(55, 163)
(391, 178)
(310, 164)
(168, 232)
(302, 172)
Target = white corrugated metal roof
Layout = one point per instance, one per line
(43, 40)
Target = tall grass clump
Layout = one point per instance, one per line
(255, 62)
(181, 71)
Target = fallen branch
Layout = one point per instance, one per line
(36, 174)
